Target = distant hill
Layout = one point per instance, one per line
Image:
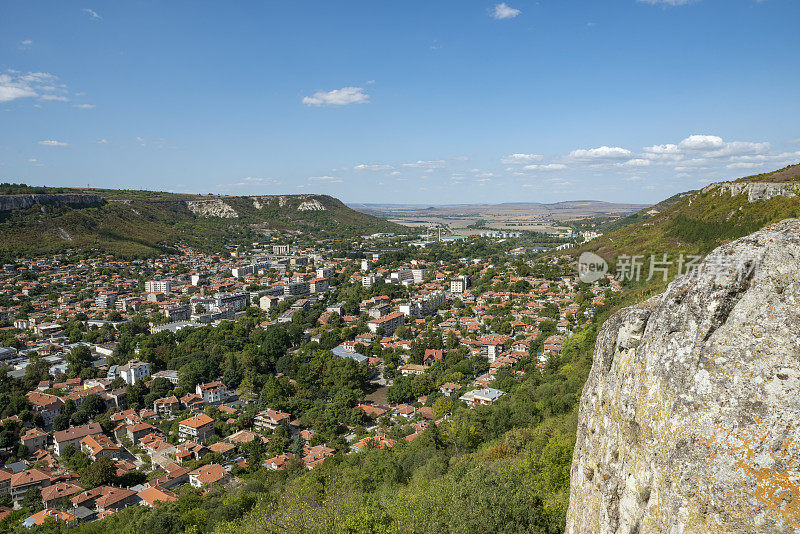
(558, 211)
(36, 221)
(696, 222)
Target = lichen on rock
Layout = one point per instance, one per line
(690, 418)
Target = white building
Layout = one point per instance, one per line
(133, 371)
(158, 286)
(459, 284)
(213, 392)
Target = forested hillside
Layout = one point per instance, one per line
(145, 223)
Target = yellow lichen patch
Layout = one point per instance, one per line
(777, 490)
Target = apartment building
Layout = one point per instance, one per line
(389, 323)
(73, 436)
(158, 286)
(270, 419)
(196, 428)
(459, 284)
(47, 405)
(133, 371)
(106, 301)
(213, 392)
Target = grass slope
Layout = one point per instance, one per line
(695, 223)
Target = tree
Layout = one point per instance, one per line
(61, 422)
(93, 405)
(100, 472)
(443, 406)
(32, 499)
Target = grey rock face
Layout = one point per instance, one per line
(211, 208)
(755, 190)
(21, 202)
(690, 418)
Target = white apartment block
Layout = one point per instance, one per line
(158, 286)
(133, 371)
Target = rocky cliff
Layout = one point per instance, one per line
(690, 418)
(21, 202)
(755, 190)
(211, 208)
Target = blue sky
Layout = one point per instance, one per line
(388, 101)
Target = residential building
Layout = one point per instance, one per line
(484, 396)
(459, 284)
(55, 492)
(196, 428)
(158, 286)
(73, 436)
(237, 301)
(106, 498)
(167, 406)
(49, 406)
(155, 494)
(34, 439)
(133, 371)
(99, 446)
(389, 323)
(23, 481)
(213, 392)
(106, 301)
(270, 419)
(207, 475)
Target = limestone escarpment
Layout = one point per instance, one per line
(690, 418)
(755, 190)
(211, 208)
(21, 202)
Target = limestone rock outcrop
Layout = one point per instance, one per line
(22, 202)
(755, 190)
(211, 208)
(690, 418)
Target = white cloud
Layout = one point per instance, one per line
(662, 149)
(102, 141)
(548, 167)
(600, 153)
(56, 98)
(521, 159)
(708, 146)
(701, 142)
(636, 162)
(504, 11)
(255, 180)
(92, 14)
(743, 165)
(431, 164)
(337, 97)
(368, 167)
(32, 160)
(329, 179)
(84, 106)
(15, 84)
(53, 142)
(24, 45)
